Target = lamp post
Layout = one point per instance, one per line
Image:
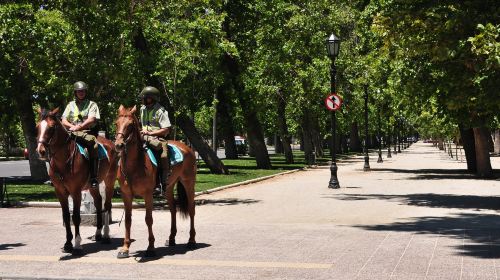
(366, 167)
(333, 48)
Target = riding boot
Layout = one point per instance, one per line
(94, 168)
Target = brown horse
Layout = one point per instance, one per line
(137, 177)
(69, 172)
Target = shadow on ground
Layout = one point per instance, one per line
(94, 247)
(179, 249)
(9, 246)
(437, 174)
(479, 232)
(226, 201)
(432, 200)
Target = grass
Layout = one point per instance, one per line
(241, 170)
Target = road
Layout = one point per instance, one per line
(415, 216)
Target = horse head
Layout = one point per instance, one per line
(46, 130)
(126, 125)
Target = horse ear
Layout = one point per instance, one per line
(55, 111)
(120, 110)
(133, 110)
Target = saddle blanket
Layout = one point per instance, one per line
(174, 154)
(103, 154)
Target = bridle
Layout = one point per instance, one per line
(126, 141)
(48, 143)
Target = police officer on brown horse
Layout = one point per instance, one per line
(80, 117)
(155, 127)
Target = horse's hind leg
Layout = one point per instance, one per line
(63, 200)
(173, 212)
(189, 187)
(148, 201)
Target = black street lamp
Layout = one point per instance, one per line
(366, 167)
(333, 48)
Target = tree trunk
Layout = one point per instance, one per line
(226, 123)
(252, 123)
(278, 144)
(283, 129)
(307, 140)
(497, 142)
(343, 144)
(482, 144)
(316, 137)
(467, 135)
(24, 105)
(204, 150)
(354, 141)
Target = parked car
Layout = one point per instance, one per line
(241, 145)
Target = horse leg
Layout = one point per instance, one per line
(107, 195)
(98, 206)
(189, 187)
(77, 199)
(63, 200)
(148, 201)
(127, 203)
(173, 215)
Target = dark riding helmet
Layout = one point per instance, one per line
(152, 92)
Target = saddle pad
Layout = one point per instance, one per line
(151, 156)
(103, 154)
(174, 154)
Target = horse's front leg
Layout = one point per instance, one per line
(98, 206)
(148, 201)
(62, 196)
(77, 200)
(127, 203)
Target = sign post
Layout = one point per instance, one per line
(333, 102)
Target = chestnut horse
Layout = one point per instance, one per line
(137, 177)
(69, 172)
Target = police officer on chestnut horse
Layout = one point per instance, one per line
(80, 118)
(155, 128)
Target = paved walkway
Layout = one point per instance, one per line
(415, 216)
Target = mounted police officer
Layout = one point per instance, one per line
(80, 118)
(155, 127)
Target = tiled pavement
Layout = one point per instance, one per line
(415, 216)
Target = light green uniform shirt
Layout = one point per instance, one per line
(78, 113)
(154, 118)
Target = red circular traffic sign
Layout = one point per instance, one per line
(333, 102)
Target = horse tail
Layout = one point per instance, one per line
(182, 200)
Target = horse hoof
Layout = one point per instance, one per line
(170, 243)
(150, 254)
(106, 240)
(96, 238)
(192, 245)
(68, 248)
(122, 255)
(77, 252)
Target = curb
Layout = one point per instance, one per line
(136, 205)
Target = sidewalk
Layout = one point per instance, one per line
(415, 216)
